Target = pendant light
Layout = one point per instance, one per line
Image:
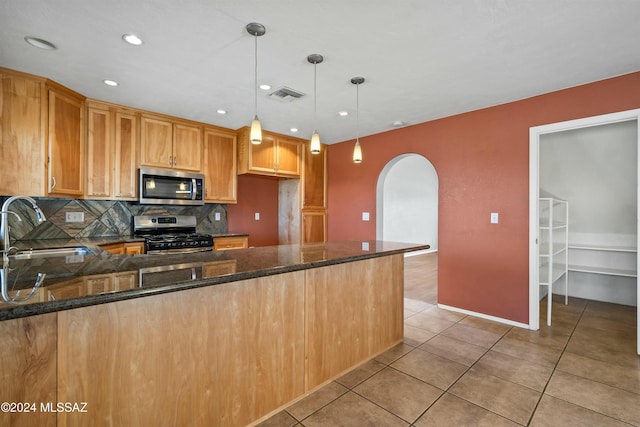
(255, 135)
(357, 151)
(315, 59)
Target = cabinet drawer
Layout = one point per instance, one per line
(226, 243)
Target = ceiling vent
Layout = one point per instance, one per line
(285, 94)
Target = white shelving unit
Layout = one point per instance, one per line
(554, 243)
(601, 259)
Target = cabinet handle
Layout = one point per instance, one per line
(175, 161)
(53, 182)
(170, 161)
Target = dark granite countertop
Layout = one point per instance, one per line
(79, 281)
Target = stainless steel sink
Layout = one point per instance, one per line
(50, 253)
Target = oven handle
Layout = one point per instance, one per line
(193, 189)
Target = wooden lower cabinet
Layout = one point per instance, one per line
(230, 242)
(128, 248)
(28, 374)
(220, 355)
(353, 311)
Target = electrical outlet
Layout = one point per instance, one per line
(365, 216)
(74, 217)
(217, 216)
(494, 217)
(257, 216)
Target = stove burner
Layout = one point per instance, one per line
(180, 236)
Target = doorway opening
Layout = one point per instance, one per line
(548, 133)
(407, 201)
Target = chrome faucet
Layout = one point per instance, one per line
(4, 215)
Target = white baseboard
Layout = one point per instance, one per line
(425, 251)
(484, 316)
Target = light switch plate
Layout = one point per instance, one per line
(257, 216)
(494, 217)
(365, 216)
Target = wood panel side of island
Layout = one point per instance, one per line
(353, 312)
(28, 374)
(218, 355)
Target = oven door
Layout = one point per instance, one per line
(169, 187)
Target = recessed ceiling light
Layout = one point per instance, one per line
(265, 87)
(221, 111)
(399, 123)
(110, 82)
(40, 43)
(294, 130)
(343, 113)
(132, 39)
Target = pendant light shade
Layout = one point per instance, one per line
(357, 153)
(315, 59)
(357, 150)
(315, 143)
(256, 30)
(256, 131)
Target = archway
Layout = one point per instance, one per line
(407, 201)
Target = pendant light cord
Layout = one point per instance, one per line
(256, 75)
(315, 97)
(357, 111)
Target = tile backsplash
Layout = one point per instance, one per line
(102, 218)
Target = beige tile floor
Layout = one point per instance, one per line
(457, 370)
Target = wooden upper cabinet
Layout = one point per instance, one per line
(156, 142)
(165, 144)
(125, 170)
(277, 155)
(23, 111)
(288, 157)
(66, 148)
(99, 149)
(187, 147)
(314, 189)
(220, 167)
(112, 141)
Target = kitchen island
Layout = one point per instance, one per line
(213, 338)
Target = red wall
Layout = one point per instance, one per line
(482, 161)
(255, 194)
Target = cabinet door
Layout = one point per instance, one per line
(126, 280)
(313, 178)
(99, 284)
(187, 147)
(21, 142)
(156, 142)
(99, 137)
(68, 289)
(262, 156)
(125, 161)
(288, 158)
(114, 248)
(314, 226)
(66, 144)
(29, 359)
(134, 248)
(220, 173)
(230, 242)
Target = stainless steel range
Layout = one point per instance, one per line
(170, 234)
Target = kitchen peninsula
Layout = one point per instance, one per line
(244, 333)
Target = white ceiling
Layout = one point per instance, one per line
(422, 59)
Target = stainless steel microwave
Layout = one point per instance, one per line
(171, 187)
